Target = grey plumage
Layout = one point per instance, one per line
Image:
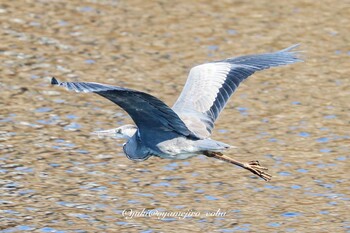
(183, 130)
(233, 71)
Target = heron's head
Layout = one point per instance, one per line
(125, 131)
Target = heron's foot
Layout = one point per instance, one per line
(254, 167)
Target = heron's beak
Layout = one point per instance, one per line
(109, 133)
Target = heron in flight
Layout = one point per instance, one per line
(184, 130)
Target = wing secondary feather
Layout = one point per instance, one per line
(209, 86)
(151, 115)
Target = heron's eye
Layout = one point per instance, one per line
(119, 131)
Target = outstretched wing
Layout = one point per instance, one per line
(151, 115)
(210, 85)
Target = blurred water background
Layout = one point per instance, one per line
(56, 177)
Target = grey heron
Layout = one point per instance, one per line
(184, 130)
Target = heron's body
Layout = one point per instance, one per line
(184, 130)
(181, 147)
(177, 147)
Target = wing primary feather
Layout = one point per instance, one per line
(151, 115)
(212, 84)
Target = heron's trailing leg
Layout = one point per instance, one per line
(252, 166)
